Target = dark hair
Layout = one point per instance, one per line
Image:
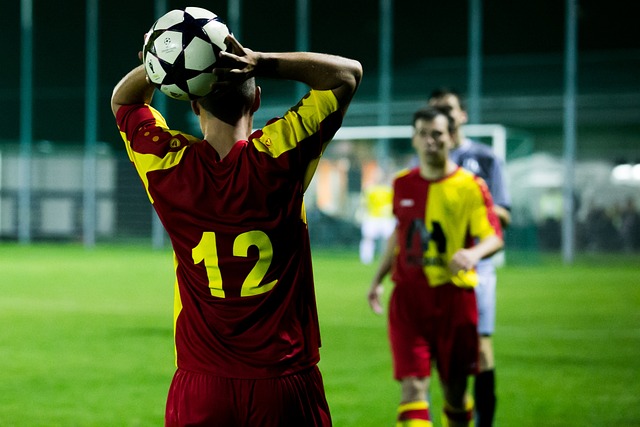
(230, 103)
(430, 113)
(443, 91)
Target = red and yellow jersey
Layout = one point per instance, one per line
(245, 302)
(435, 220)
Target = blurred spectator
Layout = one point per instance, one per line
(378, 222)
(601, 233)
(629, 226)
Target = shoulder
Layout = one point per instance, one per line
(135, 113)
(302, 122)
(405, 174)
(481, 150)
(464, 178)
(323, 99)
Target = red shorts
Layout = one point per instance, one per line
(197, 399)
(439, 324)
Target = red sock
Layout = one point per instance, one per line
(414, 414)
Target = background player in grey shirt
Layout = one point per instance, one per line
(482, 161)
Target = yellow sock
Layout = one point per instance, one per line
(414, 414)
(451, 414)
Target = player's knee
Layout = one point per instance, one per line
(486, 359)
(414, 388)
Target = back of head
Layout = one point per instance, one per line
(444, 92)
(230, 103)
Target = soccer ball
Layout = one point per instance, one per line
(180, 51)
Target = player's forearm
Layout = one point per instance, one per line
(488, 246)
(132, 89)
(383, 270)
(467, 258)
(386, 261)
(319, 71)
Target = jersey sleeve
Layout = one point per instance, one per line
(150, 144)
(483, 221)
(306, 129)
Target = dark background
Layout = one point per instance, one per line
(522, 74)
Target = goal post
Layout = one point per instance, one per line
(359, 155)
(362, 156)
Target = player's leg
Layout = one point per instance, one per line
(457, 354)
(200, 400)
(484, 384)
(292, 400)
(413, 410)
(367, 242)
(411, 362)
(456, 362)
(458, 404)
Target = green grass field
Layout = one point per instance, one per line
(86, 340)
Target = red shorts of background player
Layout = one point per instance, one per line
(438, 323)
(197, 399)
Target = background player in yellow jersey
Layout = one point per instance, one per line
(483, 162)
(246, 326)
(445, 225)
(377, 221)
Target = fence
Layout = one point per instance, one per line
(606, 207)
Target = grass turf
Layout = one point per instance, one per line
(86, 339)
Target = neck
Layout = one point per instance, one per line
(432, 171)
(458, 138)
(223, 136)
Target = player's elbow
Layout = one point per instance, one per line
(114, 107)
(499, 245)
(353, 72)
(351, 76)
(356, 71)
(492, 245)
(117, 100)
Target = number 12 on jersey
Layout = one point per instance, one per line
(207, 251)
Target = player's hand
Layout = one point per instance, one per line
(237, 64)
(375, 298)
(462, 260)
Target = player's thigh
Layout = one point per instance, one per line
(205, 400)
(457, 337)
(411, 348)
(292, 400)
(197, 399)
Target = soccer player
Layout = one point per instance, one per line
(482, 161)
(246, 328)
(446, 224)
(378, 222)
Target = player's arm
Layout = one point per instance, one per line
(386, 262)
(319, 71)
(466, 259)
(134, 88)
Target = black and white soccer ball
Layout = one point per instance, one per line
(181, 49)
